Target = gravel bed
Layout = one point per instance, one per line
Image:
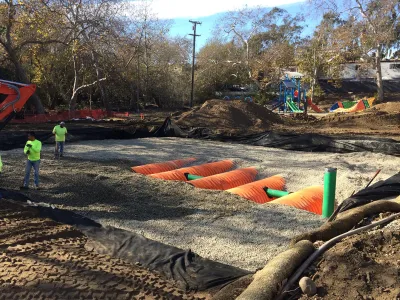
(95, 180)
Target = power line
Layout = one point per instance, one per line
(195, 23)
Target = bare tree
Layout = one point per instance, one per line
(21, 26)
(267, 38)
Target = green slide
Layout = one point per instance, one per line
(293, 106)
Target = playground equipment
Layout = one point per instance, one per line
(293, 96)
(17, 94)
(351, 106)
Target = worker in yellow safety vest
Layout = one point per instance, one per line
(60, 131)
(32, 150)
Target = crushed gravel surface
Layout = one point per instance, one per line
(94, 179)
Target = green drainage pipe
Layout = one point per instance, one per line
(275, 193)
(328, 204)
(192, 177)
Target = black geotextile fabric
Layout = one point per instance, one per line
(12, 140)
(317, 143)
(380, 190)
(288, 141)
(355, 86)
(56, 214)
(189, 270)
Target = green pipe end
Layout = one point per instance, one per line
(192, 177)
(328, 203)
(275, 193)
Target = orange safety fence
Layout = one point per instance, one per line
(225, 181)
(254, 191)
(309, 199)
(69, 115)
(162, 166)
(200, 170)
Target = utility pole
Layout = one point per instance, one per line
(195, 23)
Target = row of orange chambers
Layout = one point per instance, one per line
(216, 176)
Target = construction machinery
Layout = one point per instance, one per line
(13, 95)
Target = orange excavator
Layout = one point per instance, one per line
(15, 96)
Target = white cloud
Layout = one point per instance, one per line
(172, 9)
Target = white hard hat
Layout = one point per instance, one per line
(62, 123)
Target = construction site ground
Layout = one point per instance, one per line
(42, 259)
(363, 266)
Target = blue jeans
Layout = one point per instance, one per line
(29, 165)
(59, 148)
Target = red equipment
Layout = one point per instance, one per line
(17, 95)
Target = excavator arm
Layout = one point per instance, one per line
(17, 94)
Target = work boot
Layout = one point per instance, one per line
(37, 187)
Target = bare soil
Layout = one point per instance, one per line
(42, 259)
(237, 115)
(240, 118)
(364, 266)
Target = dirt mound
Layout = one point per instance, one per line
(389, 107)
(368, 119)
(42, 259)
(230, 115)
(364, 266)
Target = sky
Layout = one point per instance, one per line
(210, 11)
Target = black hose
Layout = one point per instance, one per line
(326, 246)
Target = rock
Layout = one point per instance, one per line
(308, 286)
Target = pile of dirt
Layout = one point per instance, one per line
(364, 266)
(389, 107)
(42, 259)
(234, 115)
(375, 118)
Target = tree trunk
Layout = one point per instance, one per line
(106, 103)
(72, 100)
(138, 84)
(23, 77)
(379, 81)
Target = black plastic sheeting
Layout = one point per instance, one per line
(318, 143)
(380, 190)
(355, 86)
(189, 270)
(56, 214)
(11, 140)
(296, 142)
(287, 141)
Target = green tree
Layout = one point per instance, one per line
(370, 33)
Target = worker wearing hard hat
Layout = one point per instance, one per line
(60, 131)
(32, 150)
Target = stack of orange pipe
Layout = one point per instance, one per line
(254, 191)
(226, 180)
(201, 170)
(309, 199)
(162, 167)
